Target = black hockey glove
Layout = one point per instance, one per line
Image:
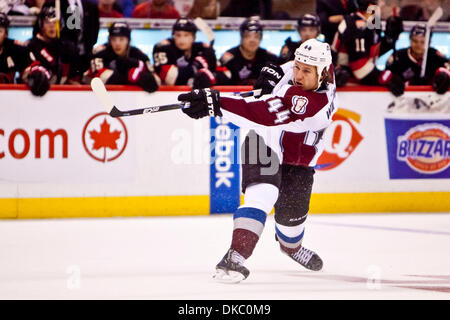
(199, 63)
(394, 27)
(137, 73)
(201, 103)
(38, 80)
(441, 81)
(342, 74)
(392, 81)
(396, 85)
(204, 78)
(268, 78)
(147, 81)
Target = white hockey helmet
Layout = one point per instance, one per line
(315, 53)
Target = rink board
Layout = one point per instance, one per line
(60, 156)
(99, 207)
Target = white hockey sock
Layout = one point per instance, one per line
(290, 237)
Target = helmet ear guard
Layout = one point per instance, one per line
(315, 53)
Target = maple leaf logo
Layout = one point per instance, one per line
(104, 138)
(107, 143)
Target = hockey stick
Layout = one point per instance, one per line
(252, 93)
(108, 105)
(118, 113)
(205, 29)
(395, 13)
(437, 14)
(58, 18)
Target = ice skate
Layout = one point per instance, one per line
(307, 258)
(230, 269)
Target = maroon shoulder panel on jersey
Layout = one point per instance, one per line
(304, 104)
(260, 112)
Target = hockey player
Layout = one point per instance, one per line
(289, 123)
(117, 62)
(358, 46)
(182, 61)
(407, 63)
(331, 13)
(243, 63)
(15, 57)
(308, 27)
(54, 55)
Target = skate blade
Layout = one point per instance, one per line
(229, 277)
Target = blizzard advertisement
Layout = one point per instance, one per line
(418, 149)
(224, 169)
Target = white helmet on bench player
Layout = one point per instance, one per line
(316, 53)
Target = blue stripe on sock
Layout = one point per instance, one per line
(251, 213)
(287, 239)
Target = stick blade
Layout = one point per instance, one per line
(102, 95)
(115, 113)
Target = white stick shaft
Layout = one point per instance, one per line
(437, 14)
(425, 53)
(204, 28)
(58, 9)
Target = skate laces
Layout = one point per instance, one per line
(303, 255)
(237, 258)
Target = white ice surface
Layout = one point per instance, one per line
(376, 256)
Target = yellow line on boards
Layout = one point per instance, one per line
(35, 208)
(380, 202)
(95, 207)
